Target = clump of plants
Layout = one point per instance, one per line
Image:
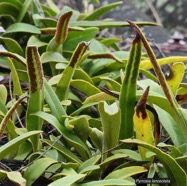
(74, 110)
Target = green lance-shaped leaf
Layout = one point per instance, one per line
(102, 10)
(110, 119)
(69, 156)
(23, 10)
(8, 115)
(22, 27)
(85, 87)
(53, 7)
(12, 45)
(68, 180)
(15, 79)
(10, 9)
(3, 94)
(61, 33)
(112, 158)
(54, 103)
(37, 169)
(126, 172)
(36, 98)
(176, 174)
(64, 82)
(106, 24)
(127, 97)
(13, 144)
(75, 37)
(109, 182)
(89, 164)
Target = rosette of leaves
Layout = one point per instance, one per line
(79, 89)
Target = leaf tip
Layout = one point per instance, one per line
(141, 105)
(138, 36)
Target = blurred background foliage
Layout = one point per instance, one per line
(172, 13)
